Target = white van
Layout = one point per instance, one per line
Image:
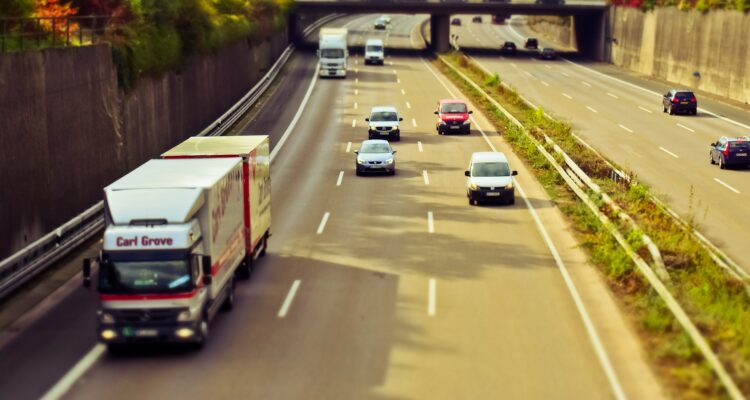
(374, 51)
(490, 178)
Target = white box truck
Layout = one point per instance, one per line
(173, 240)
(333, 52)
(254, 150)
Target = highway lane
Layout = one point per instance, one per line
(360, 296)
(669, 153)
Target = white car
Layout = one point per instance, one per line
(490, 178)
(374, 52)
(386, 19)
(383, 123)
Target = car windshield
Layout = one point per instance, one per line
(453, 108)
(375, 48)
(146, 276)
(381, 116)
(488, 169)
(332, 53)
(375, 148)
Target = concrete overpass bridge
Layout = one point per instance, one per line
(590, 18)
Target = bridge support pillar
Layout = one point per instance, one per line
(294, 28)
(591, 32)
(440, 32)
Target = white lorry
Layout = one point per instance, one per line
(333, 52)
(175, 237)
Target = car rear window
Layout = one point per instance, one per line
(739, 145)
(684, 95)
(453, 108)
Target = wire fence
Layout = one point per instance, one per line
(18, 34)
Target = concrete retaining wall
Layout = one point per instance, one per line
(66, 130)
(672, 45)
(554, 30)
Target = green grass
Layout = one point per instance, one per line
(716, 303)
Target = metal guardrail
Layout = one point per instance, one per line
(42, 253)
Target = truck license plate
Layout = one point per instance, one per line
(493, 194)
(146, 333)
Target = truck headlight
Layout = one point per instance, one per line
(473, 186)
(372, 127)
(395, 127)
(186, 316)
(106, 318)
(389, 161)
(360, 161)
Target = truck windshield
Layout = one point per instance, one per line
(332, 53)
(164, 275)
(490, 169)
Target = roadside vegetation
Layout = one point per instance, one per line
(700, 5)
(716, 302)
(150, 37)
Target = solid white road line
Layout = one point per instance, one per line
(348, 146)
(354, 123)
(431, 297)
(545, 83)
(323, 222)
(297, 115)
(341, 178)
(403, 91)
(430, 222)
(625, 128)
(71, 377)
(584, 83)
(567, 96)
(685, 128)
(668, 152)
(408, 105)
(722, 183)
(592, 109)
(426, 178)
(645, 109)
(289, 298)
(612, 95)
(414, 122)
(419, 144)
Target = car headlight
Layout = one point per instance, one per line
(395, 127)
(467, 122)
(473, 186)
(106, 318)
(186, 316)
(389, 161)
(360, 161)
(442, 122)
(372, 127)
(509, 186)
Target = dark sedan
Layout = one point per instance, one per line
(680, 101)
(509, 48)
(731, 151)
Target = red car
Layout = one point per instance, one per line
(452, 116)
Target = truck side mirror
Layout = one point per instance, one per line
(514, 173)
(206, 265)
(87, 273)
(356, 152)
(467, 173)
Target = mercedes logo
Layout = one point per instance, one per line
(146, 316)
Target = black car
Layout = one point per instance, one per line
(456, 21)
(508, 48)
(531, 43)
(680, 101)
(477, 18)
(728, 152)
(548, 54)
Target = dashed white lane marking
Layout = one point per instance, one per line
(356, 70)
(567, 96)
(356, 80)
(430, 223)
(722, 183)
(513, 65)
(354, 123)
(390, 63)
(593, 110)
(414, 122)
(356, 105)
(348, 146)
(548, 67)
(584, 83)
(403, 91)
(341, 178)
(356, 92)
(545, 83)
(645, 109)
(425, 177)
(356, 61)
(394, 71)
(685, 128)
(668, 152)
(612, 95)
(408, 105)
(323, 223)
(625, 128)
(289, 298)
(565, 75)
(431, 297)
(528, 73)
(398, 80)
(63, 385)
(419, 144)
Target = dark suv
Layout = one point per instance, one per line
(531, 44)
(680, 101)
(729, 152)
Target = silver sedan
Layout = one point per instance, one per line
(375, 156)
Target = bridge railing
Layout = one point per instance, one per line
(19, 33)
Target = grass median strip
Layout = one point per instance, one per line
(715, 301)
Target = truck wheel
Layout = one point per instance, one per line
(512, 200)
(203, 331)
(265, 245)
(228, 304)
(116, 349)
(244, 270)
